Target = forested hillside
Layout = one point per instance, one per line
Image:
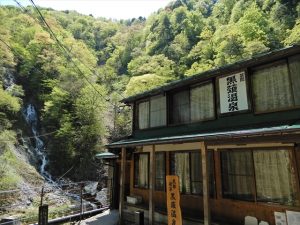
(76, 81)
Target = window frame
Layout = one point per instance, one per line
(293, 167)
(266, 66)
(137, 125)
(251, 176)
(212, 180)
(214, 100)
(189, 89)
(136, 186)
(165, 172)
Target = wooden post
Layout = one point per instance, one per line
(152, 185)
(122, 184)
(205, 174)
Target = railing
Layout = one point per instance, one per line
(52, 203)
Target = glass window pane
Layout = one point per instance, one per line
(275, 181)
(237, 175)
(181, 107)
(158, 111)
(272, 89)
(180, 166)
(160, 173)
(141, 171)
(143, 115)
(196, 173)
(294, 64)
(202, 103)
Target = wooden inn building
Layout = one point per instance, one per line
(231, 134)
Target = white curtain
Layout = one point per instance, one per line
(143, 171)
(181, 107)
(294, 64)
(202, 102)
(158, 111)
(143, 115)
(272, 88)
(182, 169)
(196, 173)
(274, 178)
(237, 174)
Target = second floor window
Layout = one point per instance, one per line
(275, 87)
(195, 104)
(152, 113)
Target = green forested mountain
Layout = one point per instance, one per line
(120, 58)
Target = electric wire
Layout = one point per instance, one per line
(66, 51)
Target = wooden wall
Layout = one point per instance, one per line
(221, 209)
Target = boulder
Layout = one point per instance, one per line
(91, 188)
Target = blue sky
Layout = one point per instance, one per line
(115, 9)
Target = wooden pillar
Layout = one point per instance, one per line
(152, 185)
(122, 184)
(205, 174)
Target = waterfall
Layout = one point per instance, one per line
(31, 118)
(9, 80)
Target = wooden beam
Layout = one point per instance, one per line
(152, 185)
(122, 184)
(205, 174)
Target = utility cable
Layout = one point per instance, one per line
(68, 56)
(66, 51)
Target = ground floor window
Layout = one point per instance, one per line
(188, 166)
(262, 174)
(160, 171)
(141, 170)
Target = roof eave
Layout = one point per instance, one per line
(254, 61)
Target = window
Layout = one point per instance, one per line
(143, 115)
(264, 174)
(188, 166)
(274, 177)
(180, 112)
(237, 175)
(180, 166)
(202, 103)
(152, 113)
(196, 104)
(275, 87)
(294, 64)
(158, 111)
(141, 170)
(160, 172)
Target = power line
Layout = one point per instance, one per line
(66, 51)
(63, 48)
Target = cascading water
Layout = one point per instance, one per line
(31, 118)
(9, 80)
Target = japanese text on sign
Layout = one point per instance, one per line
(173, 200)
(233, 93)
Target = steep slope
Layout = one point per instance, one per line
(76, 84)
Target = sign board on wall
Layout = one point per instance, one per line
(233, 93)
(173, 200)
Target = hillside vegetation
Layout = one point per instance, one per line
(76, 88)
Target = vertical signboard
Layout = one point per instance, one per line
(173, 200)
(233, 93)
